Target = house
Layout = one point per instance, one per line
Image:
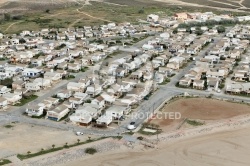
(58, 113)
(109, 98)
(94, 90)
(241, 75)
(75, 86)
(238, 88)
(152, 18)
(117, 111)
(54, 76)
(198, 84)
(127, 101)
(74, 67)
(3, 103)
(175, 62)
(31, 72)
(80, 118)
(33, 86)
(181, 16)
(99, 101)
(76, 101)
(53, 101)
(42, 82)
(64, 94)
(235, 54)
(92, 110)
(104, 120)
(185, 82)
(215, 74)
(45, 104)
(11, 98)
(34, 110)
(81, 95)
(138, 93)
(213, 83)
(4, 90)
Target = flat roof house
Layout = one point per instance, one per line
(58, 113)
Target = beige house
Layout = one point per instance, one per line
(58, 113)
(198, 84)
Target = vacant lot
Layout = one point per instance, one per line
(21, 138)
(201, 109)
(220, 149)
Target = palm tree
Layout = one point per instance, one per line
(28, 152)
(78, 141)
(53, 146)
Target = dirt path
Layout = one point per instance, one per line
(12, 25)
(86, 14)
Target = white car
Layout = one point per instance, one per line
(131, 126)
(79, 133)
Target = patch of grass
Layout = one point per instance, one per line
(70, 77)
(8, 126)
(84, 69)
(25, 100)
(90, 150)
(4, 161)
(194, 122)
(167, 80)
(30, 155)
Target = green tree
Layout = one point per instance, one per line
(7, 17)
(53, 146)
(198, 31)
(221, 29)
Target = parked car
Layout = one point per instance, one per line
(79, 133)
(131, 126)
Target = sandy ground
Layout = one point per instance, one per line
(22, 138)
(225, 149)
(208, 110)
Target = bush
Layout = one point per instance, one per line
(194, 123)
(4, 161)
(141, 11)
(90, 150)
(221, 29)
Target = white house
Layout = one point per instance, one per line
(104, 120)
(31, 72)
(57, 113)
(33, 86)
(11, 98)
(4, 89)
(75, 86)
(64, 94)
(34, 110)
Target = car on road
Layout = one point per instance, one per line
(131, 126)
